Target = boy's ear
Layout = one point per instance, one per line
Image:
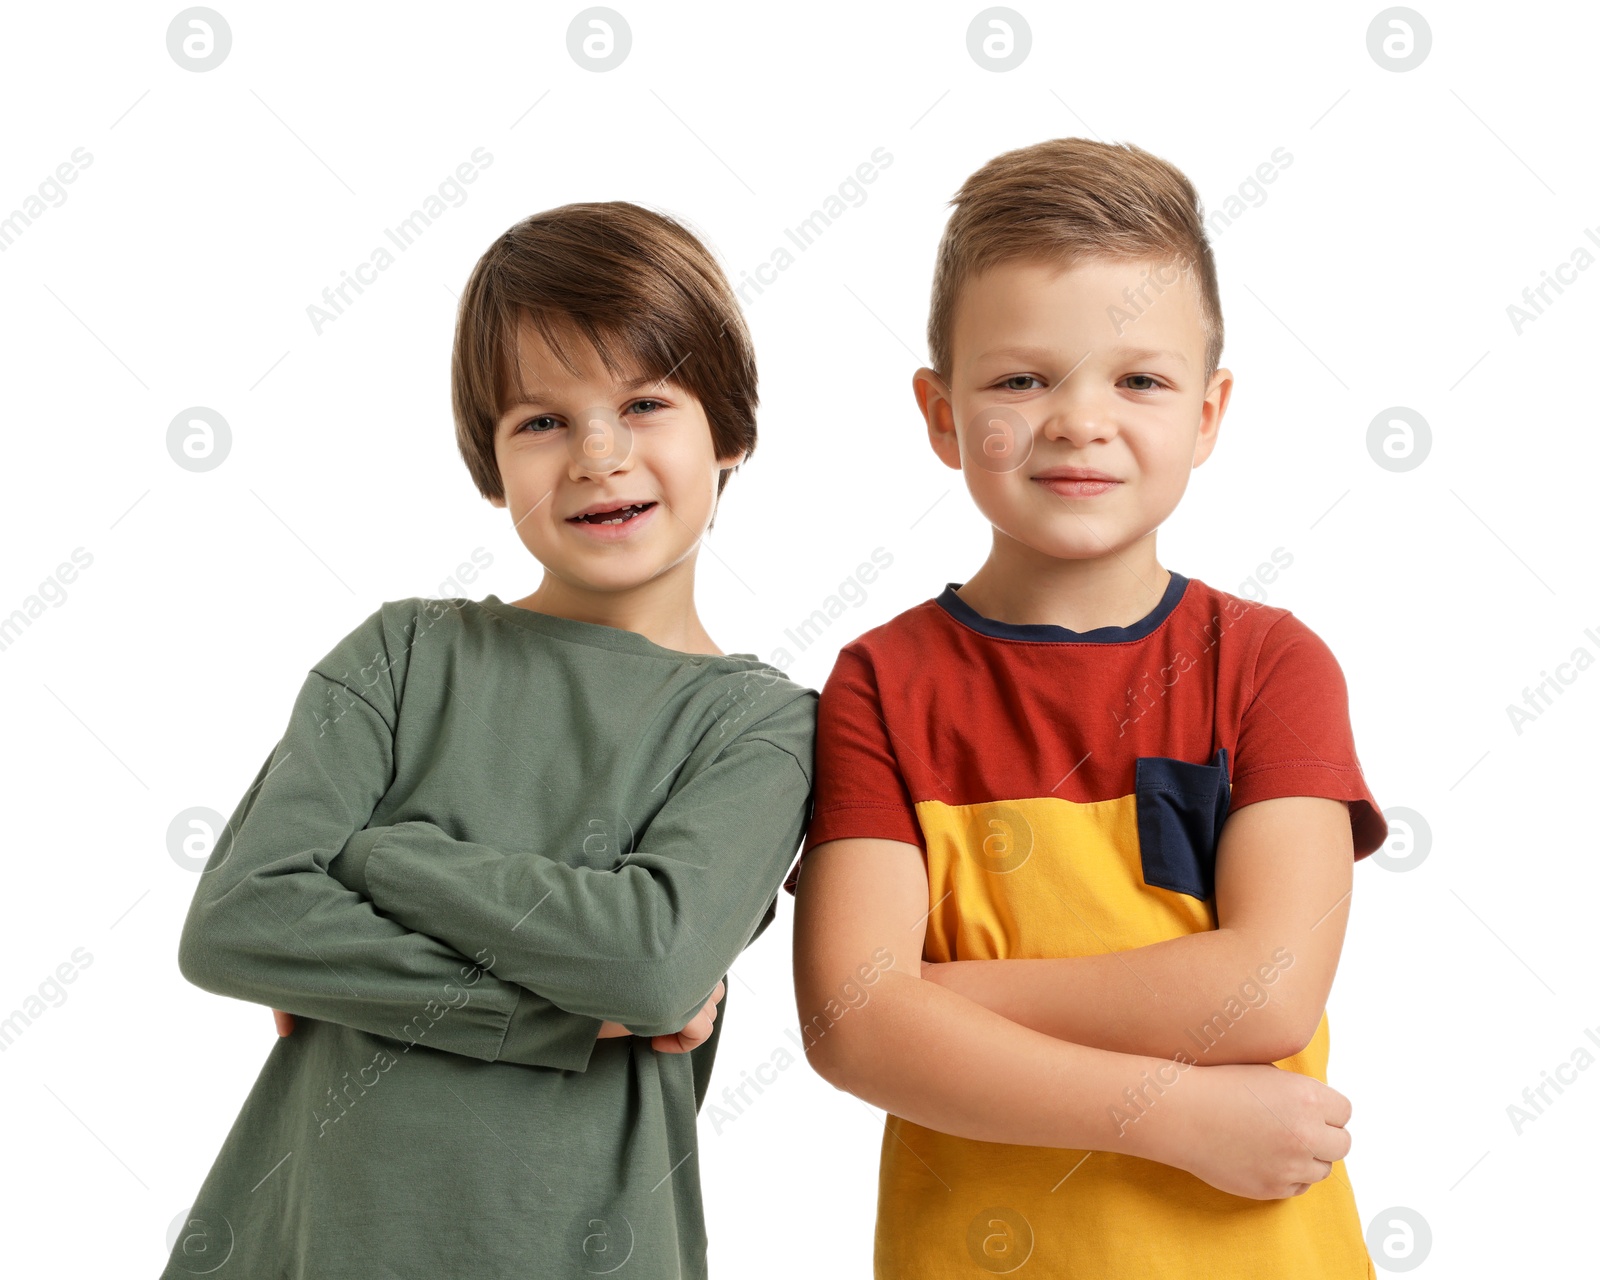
(933, 398)
(1211, 410)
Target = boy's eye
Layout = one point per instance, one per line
(545, 423)
(1010, 384)
(1155, 383)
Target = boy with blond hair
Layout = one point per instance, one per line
(1091, 821)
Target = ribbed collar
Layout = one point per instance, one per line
(1048, 632)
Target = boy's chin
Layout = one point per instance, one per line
(624, 573)
(1092, 542)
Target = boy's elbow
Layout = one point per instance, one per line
(194, 960)
(839, 1050)
(683, 968)
(203, 951)
(1289, 1033)
(680, 987)
(853, 1031)
(653, 1017)
(834, 1062)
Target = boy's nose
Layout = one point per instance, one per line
(1075, 411)
(600, 442)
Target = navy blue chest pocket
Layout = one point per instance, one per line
(1181, 809)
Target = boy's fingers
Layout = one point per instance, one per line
(285, 1021)
(1313, 1171)
(697, 1032)
(1334, 1145)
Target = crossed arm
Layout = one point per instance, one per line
(284, 915)
(642, 943)
(1250, 990)
(926, 1052)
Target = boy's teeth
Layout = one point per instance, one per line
(622, 513)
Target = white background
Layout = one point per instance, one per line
(1376, 272)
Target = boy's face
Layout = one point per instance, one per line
(598, 440)
(1098, 367)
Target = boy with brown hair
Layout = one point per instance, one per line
(1098, 817)
(504, 854)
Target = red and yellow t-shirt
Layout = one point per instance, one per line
(1068, 790)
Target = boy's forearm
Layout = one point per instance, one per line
(627, 945)
(641, 943)
(1216, 997)
(269, 925)
(941, 1061)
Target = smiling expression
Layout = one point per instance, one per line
(1077, 406)
(632, 454)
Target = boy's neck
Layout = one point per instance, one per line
(661, 611)
(1020, 585)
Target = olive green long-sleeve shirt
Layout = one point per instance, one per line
(484, 831)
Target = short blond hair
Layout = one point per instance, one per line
(1064, 201)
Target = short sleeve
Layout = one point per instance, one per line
(859, 789)
(1295, 737)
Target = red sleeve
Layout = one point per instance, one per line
(1295, 738)
(858, 789)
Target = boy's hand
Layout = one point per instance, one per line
(1257, 1131)
(696, 1033)
(284, 1020)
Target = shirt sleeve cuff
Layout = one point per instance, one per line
(542, 1034)
(1369, 828)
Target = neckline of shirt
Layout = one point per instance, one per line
(596, 633)
(1049, 632)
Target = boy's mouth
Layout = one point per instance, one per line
(1076, 482)
(613, 515)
